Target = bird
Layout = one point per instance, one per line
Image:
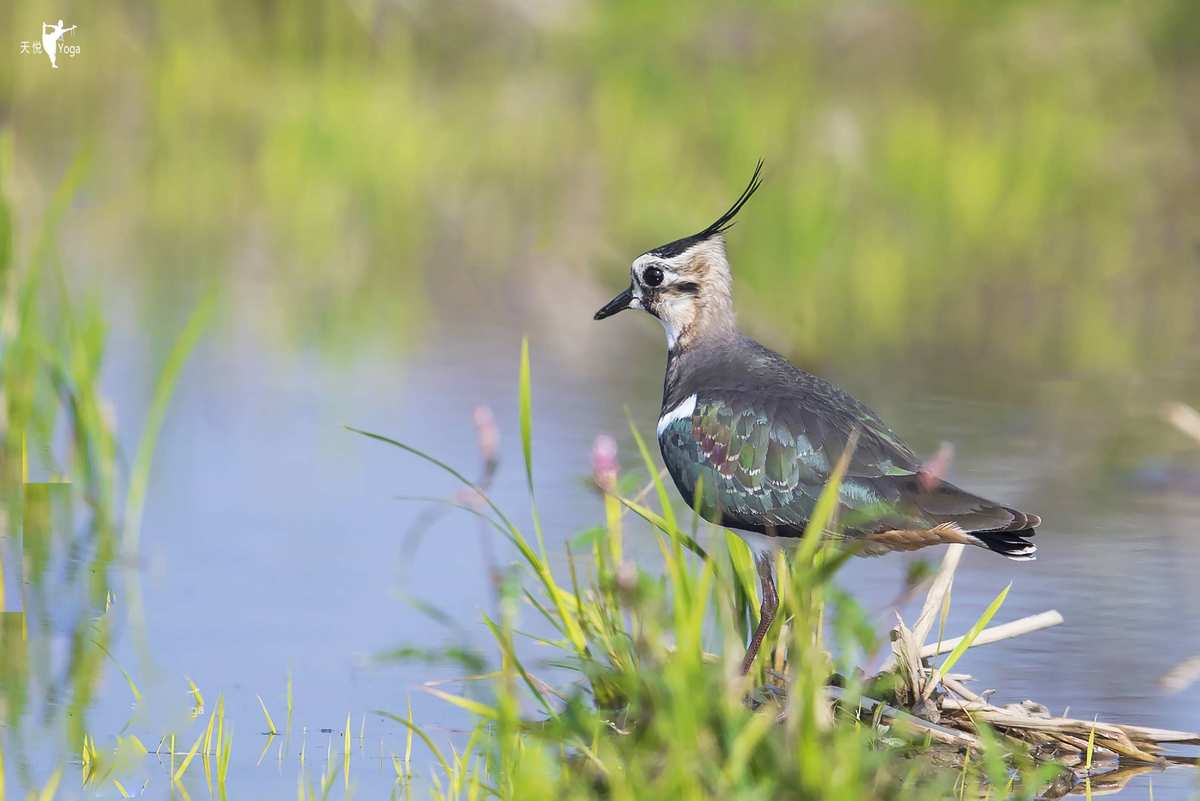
(761, 437)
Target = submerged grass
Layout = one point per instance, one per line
(60, 528)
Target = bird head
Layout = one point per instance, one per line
(687, 283)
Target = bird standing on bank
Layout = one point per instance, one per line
(761, 437)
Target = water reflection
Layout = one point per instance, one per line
(272, 544)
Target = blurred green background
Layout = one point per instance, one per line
(982, 218)
(1013, 184)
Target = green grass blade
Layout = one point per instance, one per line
(664, 500)
(746, 742)
(833, 562)
(827, 504)
(187, 760)
(540, 565)
(212, 719)
(1091, 748)
(346, 753)
(525, 405)
(474, 707)
(197, 698)
(659, 522)
(512, 532)
(968, 638)
(417, 730)
(270, 723)
(51, 787)
(139, 476)
(408, 742)
(133, 688)
(506, 647)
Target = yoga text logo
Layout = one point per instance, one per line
(52, 43)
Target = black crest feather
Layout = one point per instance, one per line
(720, 225)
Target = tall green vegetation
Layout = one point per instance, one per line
(59, 521)
(652, 704)
(61, 524)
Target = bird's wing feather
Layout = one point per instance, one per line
(761, 463)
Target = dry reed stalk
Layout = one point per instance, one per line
(962, 710)
(1004, 631)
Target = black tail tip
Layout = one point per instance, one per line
(1013, 544)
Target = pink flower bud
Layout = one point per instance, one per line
(470, 498)
(488, 433)
(604, 462)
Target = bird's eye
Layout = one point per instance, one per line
(653, 276)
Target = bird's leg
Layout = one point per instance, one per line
(766, 612)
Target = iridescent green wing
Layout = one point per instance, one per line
(761, 464)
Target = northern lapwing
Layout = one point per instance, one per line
(761, 437)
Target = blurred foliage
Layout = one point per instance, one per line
(1014, 183)
(57, 531)
(60, 476)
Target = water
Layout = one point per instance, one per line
(274, 543)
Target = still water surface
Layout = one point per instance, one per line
(274, 542)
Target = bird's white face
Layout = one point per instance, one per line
(686, 284)
(669, 289)
(689, 293)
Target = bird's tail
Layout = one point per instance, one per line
(1013, 544)
(943, 514)
(985, 523)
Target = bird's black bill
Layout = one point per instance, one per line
(619, 303)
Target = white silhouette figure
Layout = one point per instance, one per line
(50, 36)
